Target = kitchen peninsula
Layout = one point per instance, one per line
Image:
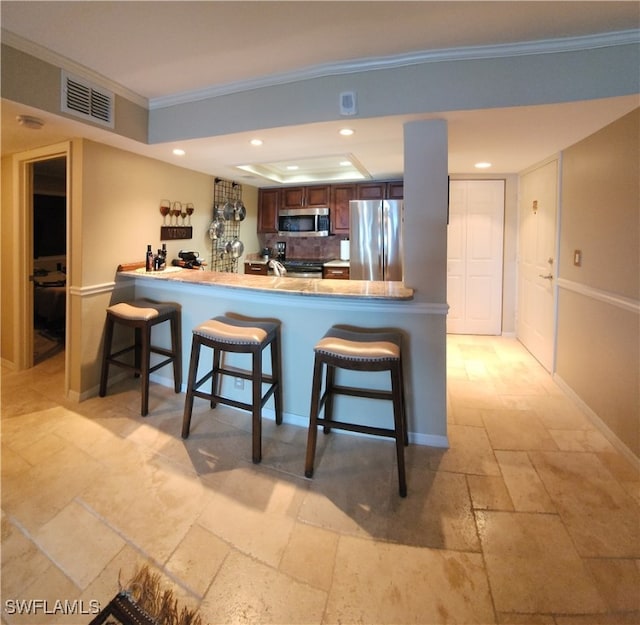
(306, 309)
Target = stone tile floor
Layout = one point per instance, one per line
(531, 516)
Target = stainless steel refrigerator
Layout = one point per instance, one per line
(375, 236)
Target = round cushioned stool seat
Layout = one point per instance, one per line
(236, 331)
(141, 309)
(365, 346)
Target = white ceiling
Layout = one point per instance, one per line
(163, 50)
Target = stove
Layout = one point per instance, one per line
(303, 267)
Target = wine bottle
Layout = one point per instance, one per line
(158, 261)
(149, 262)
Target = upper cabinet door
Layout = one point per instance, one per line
(342, 195)
(371, 191)
(395, 190)
(293, 197)
(268, 207)
(306, 197)
(318, 196)
(392, 190)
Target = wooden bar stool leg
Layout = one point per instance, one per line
(176, 348)
(328, 405)
(404, 406)
(106, 354)
(276, 374)
(256, 391)
(191, 381)
(313, 416)
(400, 431)
(217, 356)
(137, 351)
(145, 355)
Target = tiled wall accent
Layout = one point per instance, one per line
(306, 247)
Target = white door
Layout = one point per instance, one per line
(536, 261)
(475, 243)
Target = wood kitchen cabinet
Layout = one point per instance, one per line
(317, 196)
(371, 191)
(336, 273)
(256, 269)
(341, 195)
(336, 197)
(268, 207)
(395, 190)
(391, 190)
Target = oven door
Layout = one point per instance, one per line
(314, 275)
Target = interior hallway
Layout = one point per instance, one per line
(530, 517)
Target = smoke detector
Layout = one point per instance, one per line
(28, 121)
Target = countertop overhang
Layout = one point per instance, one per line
(347, 289)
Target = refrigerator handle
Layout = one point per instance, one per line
(387, 233)
(382, 256)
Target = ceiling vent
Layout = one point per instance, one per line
(82, 99)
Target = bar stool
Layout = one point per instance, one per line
(245, 335)
(358, 349)
(142, 315)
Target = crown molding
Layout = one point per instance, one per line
(66, 64)
(471, 53)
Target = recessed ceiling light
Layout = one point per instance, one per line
(179, 152)
(482, 165)
(345, 163)
(292, 167)
(256, 141)
(346, 132)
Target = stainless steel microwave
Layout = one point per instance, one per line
(304, 222)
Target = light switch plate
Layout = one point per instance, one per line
(577, 258)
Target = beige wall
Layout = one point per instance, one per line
(120, 198)
(600, 199)
(598, 359)
(598, 309)
(121, 194)
(34, 82)
(114, 201)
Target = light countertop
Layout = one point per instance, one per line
(351, 289)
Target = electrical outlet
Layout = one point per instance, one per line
(238, 383)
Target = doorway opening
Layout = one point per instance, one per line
(49, 239)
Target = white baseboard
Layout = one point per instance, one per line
(607, 432)
(428, 440)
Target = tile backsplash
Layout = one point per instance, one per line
(305, 247)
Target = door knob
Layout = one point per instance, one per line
(547, 277)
